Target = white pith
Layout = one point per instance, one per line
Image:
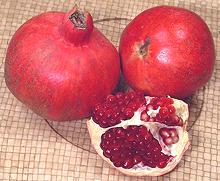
(176, 150)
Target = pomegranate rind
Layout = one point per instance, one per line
(95, 132)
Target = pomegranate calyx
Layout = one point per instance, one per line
(78, 19)
(77, 26)
(143, 49)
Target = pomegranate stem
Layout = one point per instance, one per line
(78, 19)
(144, 48)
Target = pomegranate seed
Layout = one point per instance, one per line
(149, 107)
(156, 149)
(172, 132)
(100, 112)
(108, 135)
(121, 102)
(125, 154)
(140, 93)
(107, 153)
(128, 113)
(148, 155)
(130, 137)
(96, 119)
(149, 163)
(164, 133)
(138, 137)
(117, 163)
(154, 100)
(144, 116)
(155, 107)
(145, 133)
(115, 149)
(136, 159)
(130, 95)
(159, 103)
(164, 112)
(154, 143)
(175, 139)
(176, 121)
(143, 130)
(166, 101)
(138, 144)
(114, 121)
(135, 144)
(171, 109)
(155, 156)
(115, 157)
(133, 105)
(122, 108)
(111, 99)
(132, 128)
(104, 123)
(140, 152)
(119, 95)
(104, 144)
(120, 133)
(159, 118)
(115, 114)
(108, 113)
(126, 102)
(151, 119)
(114, 145)
(168, 141)
(162, 164)
(107, 105)
(126, 144)
(97, 107)
(169, 135)
(180, 123)
(128, 163)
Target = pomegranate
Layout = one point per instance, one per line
(138, 135)
(60, 65)
(167, 50)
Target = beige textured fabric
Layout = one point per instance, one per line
(33, 149)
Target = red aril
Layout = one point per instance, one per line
(60, 65)
(140, 144)
(167, 51)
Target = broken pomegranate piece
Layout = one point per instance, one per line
(138, 135)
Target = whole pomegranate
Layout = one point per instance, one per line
(167, 51)
(60, 65)
(138, 135)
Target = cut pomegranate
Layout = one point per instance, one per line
(140, 135)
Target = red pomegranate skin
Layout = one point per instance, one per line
(178, 56)
(58, 70)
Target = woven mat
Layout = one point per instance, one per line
(32, 148)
